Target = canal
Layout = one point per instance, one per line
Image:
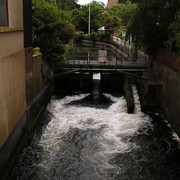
(92, 137)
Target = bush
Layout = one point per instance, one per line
(93, 36)
(104, 35)
(79, 35)
(52, 30)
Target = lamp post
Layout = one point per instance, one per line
(89, 27)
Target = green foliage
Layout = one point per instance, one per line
(150, 24)
(36, 49)
(119, 16)
(104, 35)
(122, 1)
(173, 42)
(66, 4)
(81, 17)
(111, 22)
(52, 29)
(93, 36)
(79, 36)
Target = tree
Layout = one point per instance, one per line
(124, 11)
(67, 4)
(81, 17)
(173, 42)
(151, 23)
(52, 29)
(119, 17)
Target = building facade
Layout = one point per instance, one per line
(12, 77)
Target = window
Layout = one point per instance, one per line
(3, 13)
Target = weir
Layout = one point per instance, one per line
(96, 84)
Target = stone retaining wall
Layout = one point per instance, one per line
(38, 93)
(170, 101)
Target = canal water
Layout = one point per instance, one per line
(92, 137)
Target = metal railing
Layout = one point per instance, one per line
(111, 62)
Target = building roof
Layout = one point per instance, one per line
(111, 3)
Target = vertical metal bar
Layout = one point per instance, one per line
(116, 63)
(89, 29)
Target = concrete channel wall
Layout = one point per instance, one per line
(38, 94)
(12, 80)
(163, 88)
(170, 101)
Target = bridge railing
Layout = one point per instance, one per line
(112, 62)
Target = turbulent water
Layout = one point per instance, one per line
(82, 142)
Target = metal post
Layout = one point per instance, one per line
(89, 28)
(116, 63)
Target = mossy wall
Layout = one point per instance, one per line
(128, 95)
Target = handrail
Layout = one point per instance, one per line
(111, 62)
(118, 59)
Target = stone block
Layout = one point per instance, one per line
(37, 64)
(33, 87)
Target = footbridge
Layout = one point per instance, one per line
(128, 65)
(103, 56)
(110, 65)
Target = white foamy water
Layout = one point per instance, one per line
(97, 76)
(101, 133)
